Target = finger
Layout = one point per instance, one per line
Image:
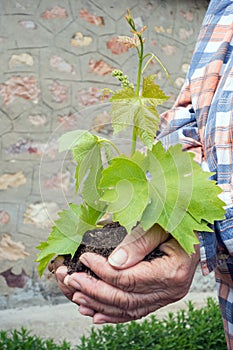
(96, 292)
(136, 246)
(133, 305)
(132, 279)
(60, 275)
(86, 311)
(125, 315)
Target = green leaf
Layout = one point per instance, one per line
(89, 172)
(176, 182)
(128, 109)
(77, 138)
(43, 262)
(108, 151)
(86, 150)
(122, 109)
(125, 189)
(152, 92)
(67, 233)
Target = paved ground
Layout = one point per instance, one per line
(64, 322)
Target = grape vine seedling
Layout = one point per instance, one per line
(158, 186)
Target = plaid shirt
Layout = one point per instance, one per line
(201, 119)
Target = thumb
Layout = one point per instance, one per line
(136, 246)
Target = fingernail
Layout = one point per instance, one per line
(86, 311)
(66, 280)
(62, 269)
(70, 282)
(82, 301)
(99, 321)
(118, 258)
(84, 260)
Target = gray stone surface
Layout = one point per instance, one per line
(55, 58)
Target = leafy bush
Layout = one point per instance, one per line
(23, 340)
(191, 329)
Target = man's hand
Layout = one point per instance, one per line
(130, 288)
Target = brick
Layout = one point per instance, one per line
(41, 214)
(62, 120)
(23, 87)
(57, 62)
(67, 121)
(102, 123)
(100, 67)
(15, 280)
(24, 146)
(28, 24)
(4, 217)
(91, 18)
(54, 15)
(21, 60)
(55, 180)
(15, 186)
(8, 213)
(55, 12)
(11, 250)
(77, 40)
(61, 64)
(91, 95)
(33, 120)
(60, 180)
(56, 94)
(12, 180)
(116, 47)
(59, 92)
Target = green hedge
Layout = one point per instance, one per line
(23, 340)
(191, 329)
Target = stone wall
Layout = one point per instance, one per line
(56, 56)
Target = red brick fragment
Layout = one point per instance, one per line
(4, 217)
(55, 12)
(117, 47)
(59, 92)
(58, 181)
(68, 121)
(21, 87)
(92, 19)
(100, 67)
(91, 96)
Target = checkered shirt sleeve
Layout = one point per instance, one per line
(201, 119)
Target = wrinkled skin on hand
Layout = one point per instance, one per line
(131, 288)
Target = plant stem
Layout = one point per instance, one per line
(140, 59)
(112, 144)
(137, 92)
(152, 56)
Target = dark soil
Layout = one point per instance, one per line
(101, 241)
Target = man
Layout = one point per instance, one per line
(201, 120)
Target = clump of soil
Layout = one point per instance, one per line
(101, 241)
